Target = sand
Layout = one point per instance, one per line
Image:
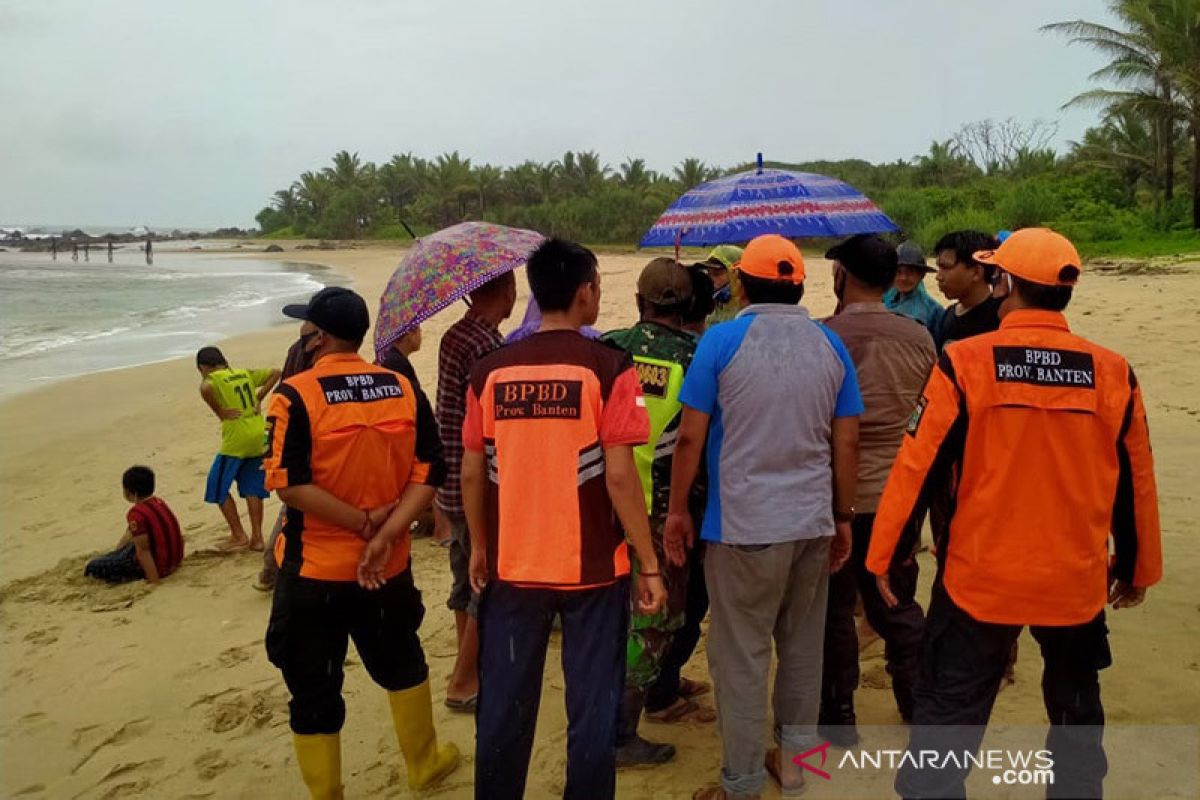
(166, 692)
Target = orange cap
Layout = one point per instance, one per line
(773, 258)
(1038, 255)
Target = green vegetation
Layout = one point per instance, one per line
(1116, 191)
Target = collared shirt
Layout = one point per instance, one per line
(1047, 434)
(358, 431)
(462, 345)
(543, 411)
(892, 356)
(916, 304)
(772, 381)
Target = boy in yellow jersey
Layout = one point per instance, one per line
(235, 396)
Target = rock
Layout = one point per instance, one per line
(274, 248)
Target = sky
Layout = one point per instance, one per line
(191, 114)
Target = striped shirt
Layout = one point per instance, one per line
(462, 345)
(153, 518)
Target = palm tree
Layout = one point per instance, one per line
(313, 191)
(944, 165)
(452, 187)
(691, 172)
(401, 181)
(1156, 68)
(286, 202)
(1123, 145)
(633, 174)
(348, 171)
(487, 181)
(590, 171)
(547, 178)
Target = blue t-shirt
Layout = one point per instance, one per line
(773, 381)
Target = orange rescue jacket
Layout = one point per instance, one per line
(361, 433)
(1043, 436)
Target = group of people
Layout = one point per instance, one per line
(727, 457)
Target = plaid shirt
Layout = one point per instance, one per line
(462, 345)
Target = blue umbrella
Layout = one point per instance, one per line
(739, 207)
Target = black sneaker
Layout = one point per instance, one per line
(638, 752)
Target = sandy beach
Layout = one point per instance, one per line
(166, 692)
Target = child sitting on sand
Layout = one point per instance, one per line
(152, 546)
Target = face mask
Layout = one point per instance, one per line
(724, 294)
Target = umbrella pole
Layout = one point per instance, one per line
(678, 240)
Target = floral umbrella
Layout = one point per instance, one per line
(444, 267)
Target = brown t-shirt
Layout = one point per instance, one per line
(893, 356)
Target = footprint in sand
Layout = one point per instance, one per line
(248, 711)
(32, 789)
(129, 731)
(211, 764)
(233, 656)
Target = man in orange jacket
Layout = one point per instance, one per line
(1046, 435)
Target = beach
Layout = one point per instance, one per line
(127, 691)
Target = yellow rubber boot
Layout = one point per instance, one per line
(320, 759)
(412, 714)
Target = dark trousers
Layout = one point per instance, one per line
(119, 566)
(665, 690)
(514, 629)
(902, 628)
(957, 683)
(311, 624)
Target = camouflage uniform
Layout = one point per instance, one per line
(650, 636)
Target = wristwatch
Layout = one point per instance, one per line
(843, 516)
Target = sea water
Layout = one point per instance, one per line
(64, 318)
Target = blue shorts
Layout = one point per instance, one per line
(248, 472)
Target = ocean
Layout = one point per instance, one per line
(64, 318)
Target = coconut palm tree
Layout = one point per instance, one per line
(633, 174)
(286, 202)
(691, 172)
(1155, 68)
(1123, 145)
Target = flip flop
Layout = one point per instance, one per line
(682, 710)
(464, 706)
(691, 688)
(771, 762)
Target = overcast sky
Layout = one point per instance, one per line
(186, 113)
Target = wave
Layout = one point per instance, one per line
(22, 341)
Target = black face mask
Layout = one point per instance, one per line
(305, 338)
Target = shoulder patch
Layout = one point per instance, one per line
(914, 419)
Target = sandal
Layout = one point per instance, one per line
(465, 706)
(774, 767)
(691, 688)
(683, 710)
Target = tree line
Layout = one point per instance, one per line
(1119, 181)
